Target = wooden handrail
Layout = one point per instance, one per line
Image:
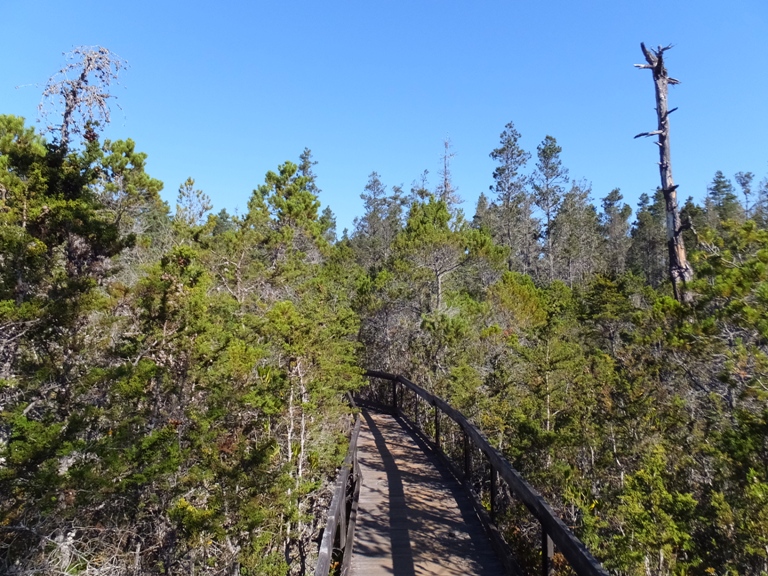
(340, 519)
(574, 551)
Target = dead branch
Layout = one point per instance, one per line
(81, 88)
(653, 133)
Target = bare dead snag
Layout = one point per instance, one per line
(680, 271)
(81, 89)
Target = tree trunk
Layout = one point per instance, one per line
(680, 272)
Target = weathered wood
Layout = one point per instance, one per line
(493, 492)
(547, 551)
(680, 271)
(347, 561)
(467, 460)
(574, 551)
(337, 508)
(414, 517)
(500, 546)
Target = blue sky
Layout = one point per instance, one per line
(224, 92)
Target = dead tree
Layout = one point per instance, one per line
(81, 89)
(680, 271)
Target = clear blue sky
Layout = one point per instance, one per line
(225, 92)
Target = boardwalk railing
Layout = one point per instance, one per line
(339, 529)
(554, 532)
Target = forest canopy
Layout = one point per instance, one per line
(173, 379)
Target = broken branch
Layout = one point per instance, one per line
(654, 133)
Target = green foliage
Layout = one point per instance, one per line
(648, 249)
(174, 384)
(654, 522)
(197, 395)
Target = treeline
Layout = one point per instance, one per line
(172, 382)
(172, 386)
(552, 324)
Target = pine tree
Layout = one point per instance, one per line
(548, 181)
(328, 223)
(376, 229)
(306, 163)
(615, 226)
(744, 179)
(722, 203)
(513, 224)
(576, 238)
(483, 217)
(191, 205)
(446, 191)
(647, 251)
(760, 208)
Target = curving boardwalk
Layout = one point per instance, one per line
(414, 518)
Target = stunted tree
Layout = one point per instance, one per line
(81, 88)
(680, 271)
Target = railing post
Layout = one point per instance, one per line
(493, 493)
(547, 551)
(553, 529)
(467, 460)
(394, 397)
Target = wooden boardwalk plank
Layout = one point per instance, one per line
(413, 519)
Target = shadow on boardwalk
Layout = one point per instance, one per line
(414, 518)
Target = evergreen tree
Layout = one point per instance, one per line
(432, 250)
(513, 224)
(191, 205)
(375, 231)
(548, 181)
(483, 217)
(223, 222)
(328, 223)
(576, 238)
(648, 249)
(744, 179)
(294, 211)
(124, 188)
(694, 219)
(722, 203)
(614, 222)
(760, 208)
(306, 163)
(446, 191)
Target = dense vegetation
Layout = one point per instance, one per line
(172, 382)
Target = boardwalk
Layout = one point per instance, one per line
(413, 519)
